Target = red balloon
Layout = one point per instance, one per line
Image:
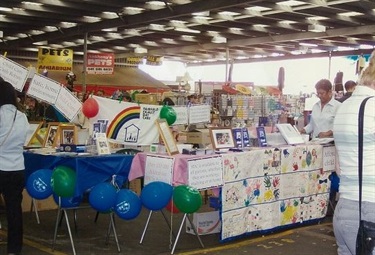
(172, 207)
(90, 107)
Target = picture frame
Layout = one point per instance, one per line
(167, 136)
(222, 138)
(32, 134)
(67, 134)
(52, 135)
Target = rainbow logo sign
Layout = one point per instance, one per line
(121, 119)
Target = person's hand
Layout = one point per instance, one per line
(302, 131)
(325, 134)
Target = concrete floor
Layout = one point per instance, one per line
(89, 237)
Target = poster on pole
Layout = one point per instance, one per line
(205, 173)
(68, 104)
(44, 89)
(13, 73)
(158, 168)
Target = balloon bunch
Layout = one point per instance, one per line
(105, 197)
(158, 195)
(60, 182)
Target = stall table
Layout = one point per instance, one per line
(265, 188)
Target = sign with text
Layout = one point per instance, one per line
(13, 73)
(44, 89)
(55, 60)
(68, 104)
(158, 169)
(329, 158)
(199, 114)
(100, 63)
(205, 173)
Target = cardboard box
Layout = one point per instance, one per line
(198, 136)
(146, 98)
(41, 205)
(206, 223)
(136, 186)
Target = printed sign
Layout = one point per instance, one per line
(199, 114)
(55, 60)
(100, 63)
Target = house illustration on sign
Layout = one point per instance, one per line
(131, 133)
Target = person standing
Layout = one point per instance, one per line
(323, 112)
(346, 216)
(13, 129)
(349, 88)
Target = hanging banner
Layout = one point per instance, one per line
(44, 89)
(55, 60)
(13, 73)
(68, 104)
(133, 61)
(100, 63)
(128, 123)
(154, 60)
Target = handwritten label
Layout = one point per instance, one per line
(205, 173)
(44, 89)
(199, 113)
(158, 169)
(13, 73)
(182, 115)
(68, 104)
(329, 158)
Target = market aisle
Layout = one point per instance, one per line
(90, 238)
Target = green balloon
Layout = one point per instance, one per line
(187, 199)
(169, 114)
(63, 181)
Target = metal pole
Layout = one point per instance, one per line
(84, 64)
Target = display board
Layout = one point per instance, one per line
(287, 181)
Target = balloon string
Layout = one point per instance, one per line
(171, 230)
(114, 183)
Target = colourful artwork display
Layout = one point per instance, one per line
(274, 187)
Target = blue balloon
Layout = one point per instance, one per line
(103, 197)
(156, 195)
(38, 184)
(128, 205)
(68, 202)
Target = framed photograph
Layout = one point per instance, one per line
(51, 138)
(222, 138)
(167, 136)
(67, 134)
(33, 139)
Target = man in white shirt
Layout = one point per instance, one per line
(323, 112)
